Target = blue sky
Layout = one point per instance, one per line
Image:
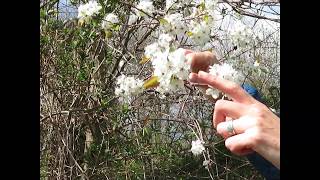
(71, 11)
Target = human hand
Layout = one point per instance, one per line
(256, 127)
(201, 61)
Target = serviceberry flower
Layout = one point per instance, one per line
(86, 11)
(197, 147)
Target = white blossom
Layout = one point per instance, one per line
(128, 87)
(197, 147)
(225, 71)
(170, 66)
(241, 35)
(164, 40)
(212, 92)
(209, 5)
(132, 19)
(146, 6)
(86, 11)
(155, 51)
(179, 62)
(175, 24)
(109, 20)
(200, 32)
(169, 3)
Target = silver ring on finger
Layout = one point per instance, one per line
(230, 128)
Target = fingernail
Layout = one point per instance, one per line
(191, 76)
(187, 51)
(201, 73)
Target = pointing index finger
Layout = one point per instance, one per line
(230, 88)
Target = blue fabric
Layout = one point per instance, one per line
(268, 170)
(252, 91)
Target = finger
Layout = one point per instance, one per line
(239, 125)
(187, 51)
(240, 144)
(245, 152)
(200, 60)
(224, 108)
(230, 88)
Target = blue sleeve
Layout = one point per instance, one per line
(268, 170)
(252, 91)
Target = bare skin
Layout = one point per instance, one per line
(257, 128)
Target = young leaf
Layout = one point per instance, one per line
(144, 60)
(81, 22)
(152, 82)
(116, 27)
(189, 33)
(202, 6)
(163, 21)
(206, 18)
(108, 34)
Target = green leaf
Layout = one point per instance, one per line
(206, 18)
(81, 76)
(144, 60)
(202, 6)
(109, 34)
(152, 82)
(163, 22)
(94, 23)
(189, 34)
(42, 13)
(265, 70)
(172, 48)
(145, 131)
(115, 27)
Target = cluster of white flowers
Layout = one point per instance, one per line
(209, 5)
(224, 71)
(128, 87)
(169, 66)
(242, 35)
(86, 11)
(200, 32)
(197, 147)
(198, 25)
(109, 21)
(170, 3)
(169, 63)
(146, 6)
(213, 92)
(176, 4)
(172, 72)
(174, 24)
(201, 23)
